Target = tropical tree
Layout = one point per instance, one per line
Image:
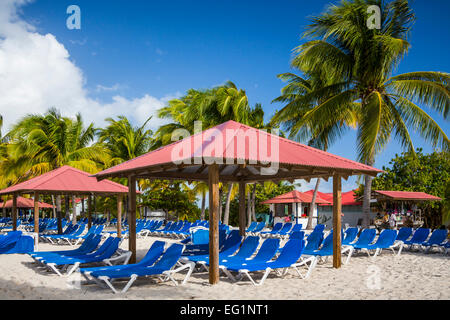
(318, 135)
(360, 63)
(429, 173)
(212, 107)
(41, 143)
(123, 140)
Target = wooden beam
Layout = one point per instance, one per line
(132, 217)
(36, 213)
(242, 222)
(14, 212)
(337, 210)
(89, 212)
(119, 215)
(213, 182)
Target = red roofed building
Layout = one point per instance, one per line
(351, 208)
(293, 204)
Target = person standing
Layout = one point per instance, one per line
(392, 221)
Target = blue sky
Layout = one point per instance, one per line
(163, 48)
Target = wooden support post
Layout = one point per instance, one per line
(242, 208)
(14, 212)
(337, 210)
(119, 216)
(132, 218)
(58, 213)
(213, 182)
(36, 212)
(89, 212)
(74, 210)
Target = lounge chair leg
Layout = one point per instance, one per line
(53, 267)
(106, 280)
(75, 267)
(229, 275)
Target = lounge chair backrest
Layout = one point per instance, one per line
(10, 238)
(260, 226)
(319, 228)
(248, 247)
(404, 233)
(297, 227)
(438, 236)
(109, 250)
(297, 235)
(386, 238)
(252, 226)
(286, 227)
(153, 254)
(314, 240)
(170, 257)
(104, 245)
(268, 249)
(328, 242)
(277, 227)
(291, 251)
(420, 235)
(350, 235)
(366, 237)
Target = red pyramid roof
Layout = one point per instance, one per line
(224, 142)
(66, 180)
(24, 203)
(294, 197)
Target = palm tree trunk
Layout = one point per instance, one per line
(54, 207)
(366, 202)
(74, 209)
(202, 215)
(313, 203)
(226, 215)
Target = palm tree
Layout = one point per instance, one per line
(360, 63)
(41, 143)
(290, 116)
(124, 141)
(212, 107)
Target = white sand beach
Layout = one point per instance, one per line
(413, 275)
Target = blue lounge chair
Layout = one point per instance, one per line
(266, 252)
(285, 230)
(314, 256)
(246, 250)
(89, 245)
(437, 239)
(252, 226)
(277, 227)
(225, 242)
(350, 235)
(104, 254)
(153, 254)
(289, 255)
(385, 240)
(164, 266)
(8, 241)
(419, 237)
(259, 227)
(365, 238)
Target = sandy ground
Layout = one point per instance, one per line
(413, 275)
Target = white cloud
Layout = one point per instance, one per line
(36, 73)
